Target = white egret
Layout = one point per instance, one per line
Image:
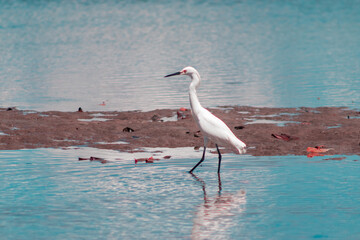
(212, 127)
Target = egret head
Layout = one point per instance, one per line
(186, 71)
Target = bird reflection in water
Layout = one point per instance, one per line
(215, 216)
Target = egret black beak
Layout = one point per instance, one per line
(173, 74)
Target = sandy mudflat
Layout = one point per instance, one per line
(338, 129)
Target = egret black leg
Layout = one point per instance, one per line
(202, 159)
(219, 181)
(217, 148)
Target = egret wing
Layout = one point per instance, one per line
(212, 126)
(218, 132)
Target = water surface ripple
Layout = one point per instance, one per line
(49, 194)
(60, 55)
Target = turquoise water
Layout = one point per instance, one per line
(49, 194)
(60, 55)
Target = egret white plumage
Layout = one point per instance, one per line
(212, 127)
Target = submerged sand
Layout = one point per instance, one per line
(266, 131)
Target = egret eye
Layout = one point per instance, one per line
(184, 71)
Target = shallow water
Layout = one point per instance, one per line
(112, 55)
(49, 194)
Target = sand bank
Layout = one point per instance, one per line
(266, 131)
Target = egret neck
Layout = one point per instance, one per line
(194, 100)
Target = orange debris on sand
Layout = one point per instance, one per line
(147, 160)
(317, 149)
(284, 137)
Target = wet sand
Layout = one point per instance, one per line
(266, 131)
